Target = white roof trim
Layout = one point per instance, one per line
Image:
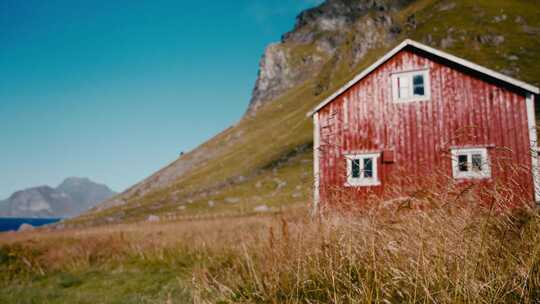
(423, 47)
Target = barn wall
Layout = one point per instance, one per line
(463, 111)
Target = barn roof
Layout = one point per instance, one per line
(417, 45)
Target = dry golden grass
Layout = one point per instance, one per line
(444, 255)
(71, 249)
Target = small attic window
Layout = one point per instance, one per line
(411, 86)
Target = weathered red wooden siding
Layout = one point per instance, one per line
(463, 111)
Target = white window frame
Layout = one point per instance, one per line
(486, 167)
(410, 75)
(363, 181)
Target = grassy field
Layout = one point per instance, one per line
(417, 251)
(133, 263)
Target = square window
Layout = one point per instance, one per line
(470, 163)
(411, 86)
(362, 169)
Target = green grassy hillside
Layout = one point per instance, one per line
(265, 159)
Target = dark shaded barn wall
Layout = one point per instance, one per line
(465, 110)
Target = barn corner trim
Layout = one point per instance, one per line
(454, 59)
(533, 138)
(316, 170)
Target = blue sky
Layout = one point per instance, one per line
(114, 90)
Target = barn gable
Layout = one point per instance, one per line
(431, 52)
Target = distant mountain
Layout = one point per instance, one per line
(72, 197)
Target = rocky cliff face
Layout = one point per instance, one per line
(72, 197)
(315, 41)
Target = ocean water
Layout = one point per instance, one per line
(10, 224)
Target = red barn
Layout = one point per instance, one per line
(418, 111)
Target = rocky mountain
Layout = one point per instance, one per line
(72, 197)
(264, 161)
(85, 193)
(324, 29)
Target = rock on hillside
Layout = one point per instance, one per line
(25, 227)
(72, 197)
